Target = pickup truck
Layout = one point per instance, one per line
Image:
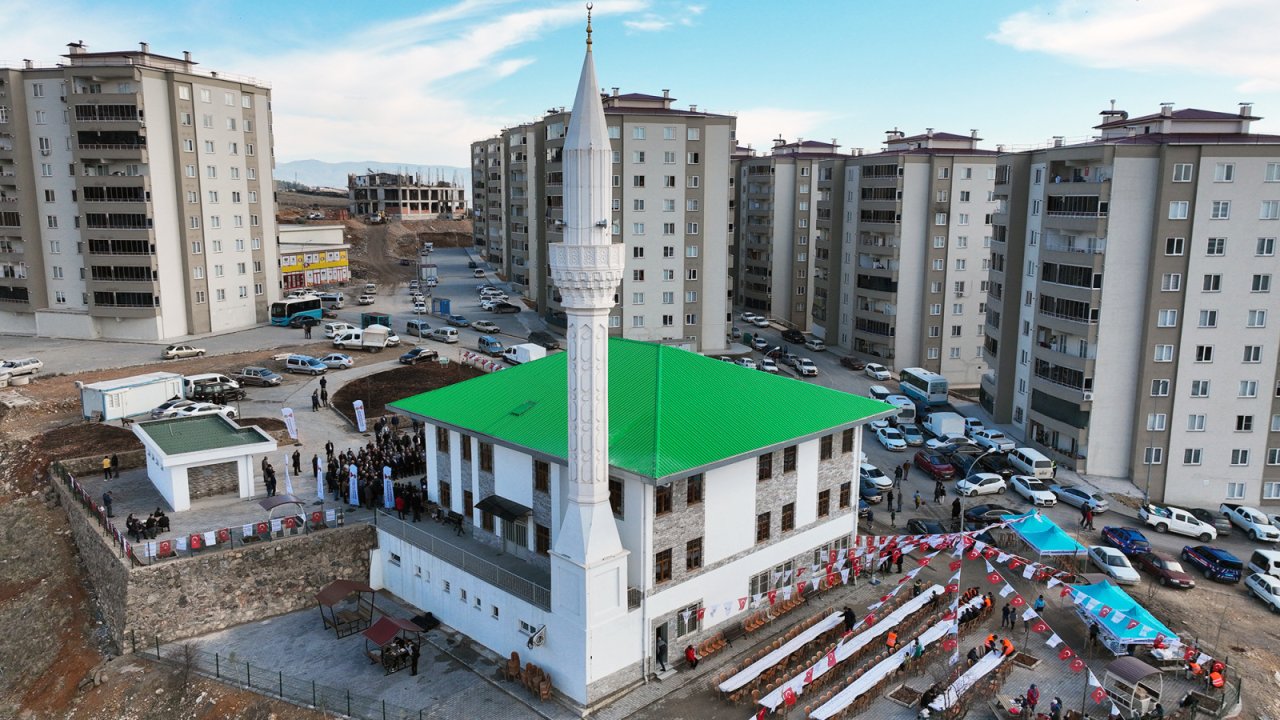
(1172, 519)
(1252, 520)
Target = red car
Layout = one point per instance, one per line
(1165, 569)
(935, 464)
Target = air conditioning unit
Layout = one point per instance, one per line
(1088, 396)
(46, 152)
(538, 638)
(959, 293)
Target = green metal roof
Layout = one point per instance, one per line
(670, 410)
(175, 436)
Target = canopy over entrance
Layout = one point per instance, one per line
(508, 510)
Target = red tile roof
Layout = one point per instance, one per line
(1183, 114)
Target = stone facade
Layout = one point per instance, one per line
(215, 479)
(673, 531)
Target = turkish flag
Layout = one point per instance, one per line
(1132, 624)
(1065, 591)
(922, 561)
(949, 615)
(742, 602)
(870, 619)
(831, 658)
(800, 588)
(1040, 626)
(885, 598)
(953, 587)
(1159, 641)
(808, 676)
(1105, 611)
(1190, 653)
(989, 553)
(1065, 653)
(1017, 601)
(1014, 564)
(789, 697)
(833, 555)
(1098, 695)
(955, 565)
(773, 595)
(763, 711)
(973, 555)
(949, 644)
(1077, 665)
(994, 578)
(702, 612)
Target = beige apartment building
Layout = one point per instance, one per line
(1131, 322)
(135, 196)
(671, 207)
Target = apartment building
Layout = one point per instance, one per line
(902, 253)
(777, 221)
(135, 193)
(670, 206)
(405, 196)
(1131, 317)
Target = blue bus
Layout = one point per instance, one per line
(284, 311)
(922, 386)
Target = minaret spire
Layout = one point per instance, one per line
(589, 27)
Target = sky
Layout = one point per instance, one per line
(417, 82)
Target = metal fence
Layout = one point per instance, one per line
(274, 683)
(462, 559)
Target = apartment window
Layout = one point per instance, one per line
(1195, 423)
(211, 171)
(615, 132)
(1252, 354)
(668, 133)
(691, 296)
(217, 271)
(637, 181)
(1152, 456)
(206, 121)
(193, 196)
(1178, 210)
(1270, 210)
(846, 495)
(221, 295)
(1272, 173)
(200, 297)
(1235, 490)
(692, 205)
(637, 228)
(1275, 423)
(1212, 283)
(1204, 353)
(764, 467)
(215, 221)
(762, 527)
(248, 150)
(1224, 172)
(693, 554)
(193, 222)
(1163, 353)
(241, 268)
(1273, 458)
(187, 119)
(691, 319)
(939, 264)
(824, 503)
(1174, 245)
(825, 447)
(637, 275)
(940, 219)
(46, 170)
(668, 181)
(1220, 210)
(1216, 247)
(196, 247)
(244, 291)
(1167, 318)
(1192, 456)
(208, 146)
(190, 171)
(788, 517)
(1261, 284)
(1208, 318)
(691, 228)
(197, 272)
(691, 274)
(694, 181)
(1240, 457)
(1159, 388)
(1244, 423)
(1199, 388)
(662, 500)
(1182, 172)
(637, 132)
(188, 145)
(1248, 389)
(213, 196)
(694, 134)
(1257, 319)
(257, 289)
(669, 205)
(662, 566)
(637, 156)
(693, 490)
(615, 497)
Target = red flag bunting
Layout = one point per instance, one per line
(953, 587)
(949, 644)
(1105, 611)
(955, 565)
(1017, 601)
(994, 578)
(789, 697)
(800, 588)
(1098, 695)
(831, 658)
(773, 595)
(1077, 665)
(1065, 592)
(742, 602)
(808, 676)
(702, 613)
(1040, 626)
(1065, 653)
(1132, 624)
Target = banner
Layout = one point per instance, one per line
(354, 497)
(290, 423)
(359, 406)
(320, 484)
(388, 492)
(288, 481)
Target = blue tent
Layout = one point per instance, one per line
(1121, 609)
(1043, 535)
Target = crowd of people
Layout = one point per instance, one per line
(138, 529)
(393, 451)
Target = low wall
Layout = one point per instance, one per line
(185, 597)
(92, 465)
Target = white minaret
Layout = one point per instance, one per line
(589, 565)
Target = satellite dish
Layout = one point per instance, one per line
(538, 638)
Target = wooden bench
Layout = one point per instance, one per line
(733, 632)
(455, 519)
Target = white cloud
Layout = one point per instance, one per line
(1227, 38)
(649, 23)
(671, 15)
(759, 126)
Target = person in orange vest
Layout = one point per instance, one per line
(1193, 669)
(1008, 647)
(991, 642)
(892, 641)
(1216, 680)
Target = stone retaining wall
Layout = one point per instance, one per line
(216, 479)
(92, 465)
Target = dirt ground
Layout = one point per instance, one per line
(381, 388)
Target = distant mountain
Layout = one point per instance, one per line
(334, 174)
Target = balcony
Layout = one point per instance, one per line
(1087, 246)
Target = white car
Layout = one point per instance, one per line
(981, 484)
(419, 308)
(768, 365)
(992, 440)
(876, 371)
(806, 368)
(947, 440)
(1033, 491)
(1267, 588)
(334, 329)
(749, 317)
(169, 408)
(869, 472)
(337, 361)
(761, 321)
(204, 408)
(891, 439)
(1113, 562)
(25, 366)
(393, 340)
(747, 362)
(485, 326)
(973, 425)
(815, 344)
(365, 300)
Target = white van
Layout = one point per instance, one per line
(304, 364)
(334, 300)
(190, 381)
(1266, 562)
(417, 327)
(348, 338)
(878, 392)
(1032, 462)
(444, 334)
(906, 408)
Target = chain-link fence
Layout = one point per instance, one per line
(272, 682)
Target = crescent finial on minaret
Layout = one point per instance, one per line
(589, 6)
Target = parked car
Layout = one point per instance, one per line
(925, 526)
(417, 355)
(876, 371)
(303, 321)
(1033, 491)
(935, 465)
(973, 425)
(984, 515)
(215, 392)
(1174, 519)
(852, 363)
(1127, 540)
(1079, 497)
(304, 364)
(545, 339)
(993, 440)
(1253, 521)
(472, 264)
(759, 343)
(419, 308)
(869, 491)
(746, 362)
(365, 300)
(815, 344)
(768, 365)
(748, 317)
(949, 444)
(181, 351)
(891, 439)
(793, 336)
(1213, 519)
(169, 408)
(206, 408)
(870, 472)
(1216, 564)
(485, 326)
(806, 368)
(912, 434)
(1113, 562)
(506, 308)
(981, 484)
(761, 321)
(334, 329)
(338, 361)
(1267, 588)
(259, 376)
(1166, 570)
(443, 334)
(24, 366)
